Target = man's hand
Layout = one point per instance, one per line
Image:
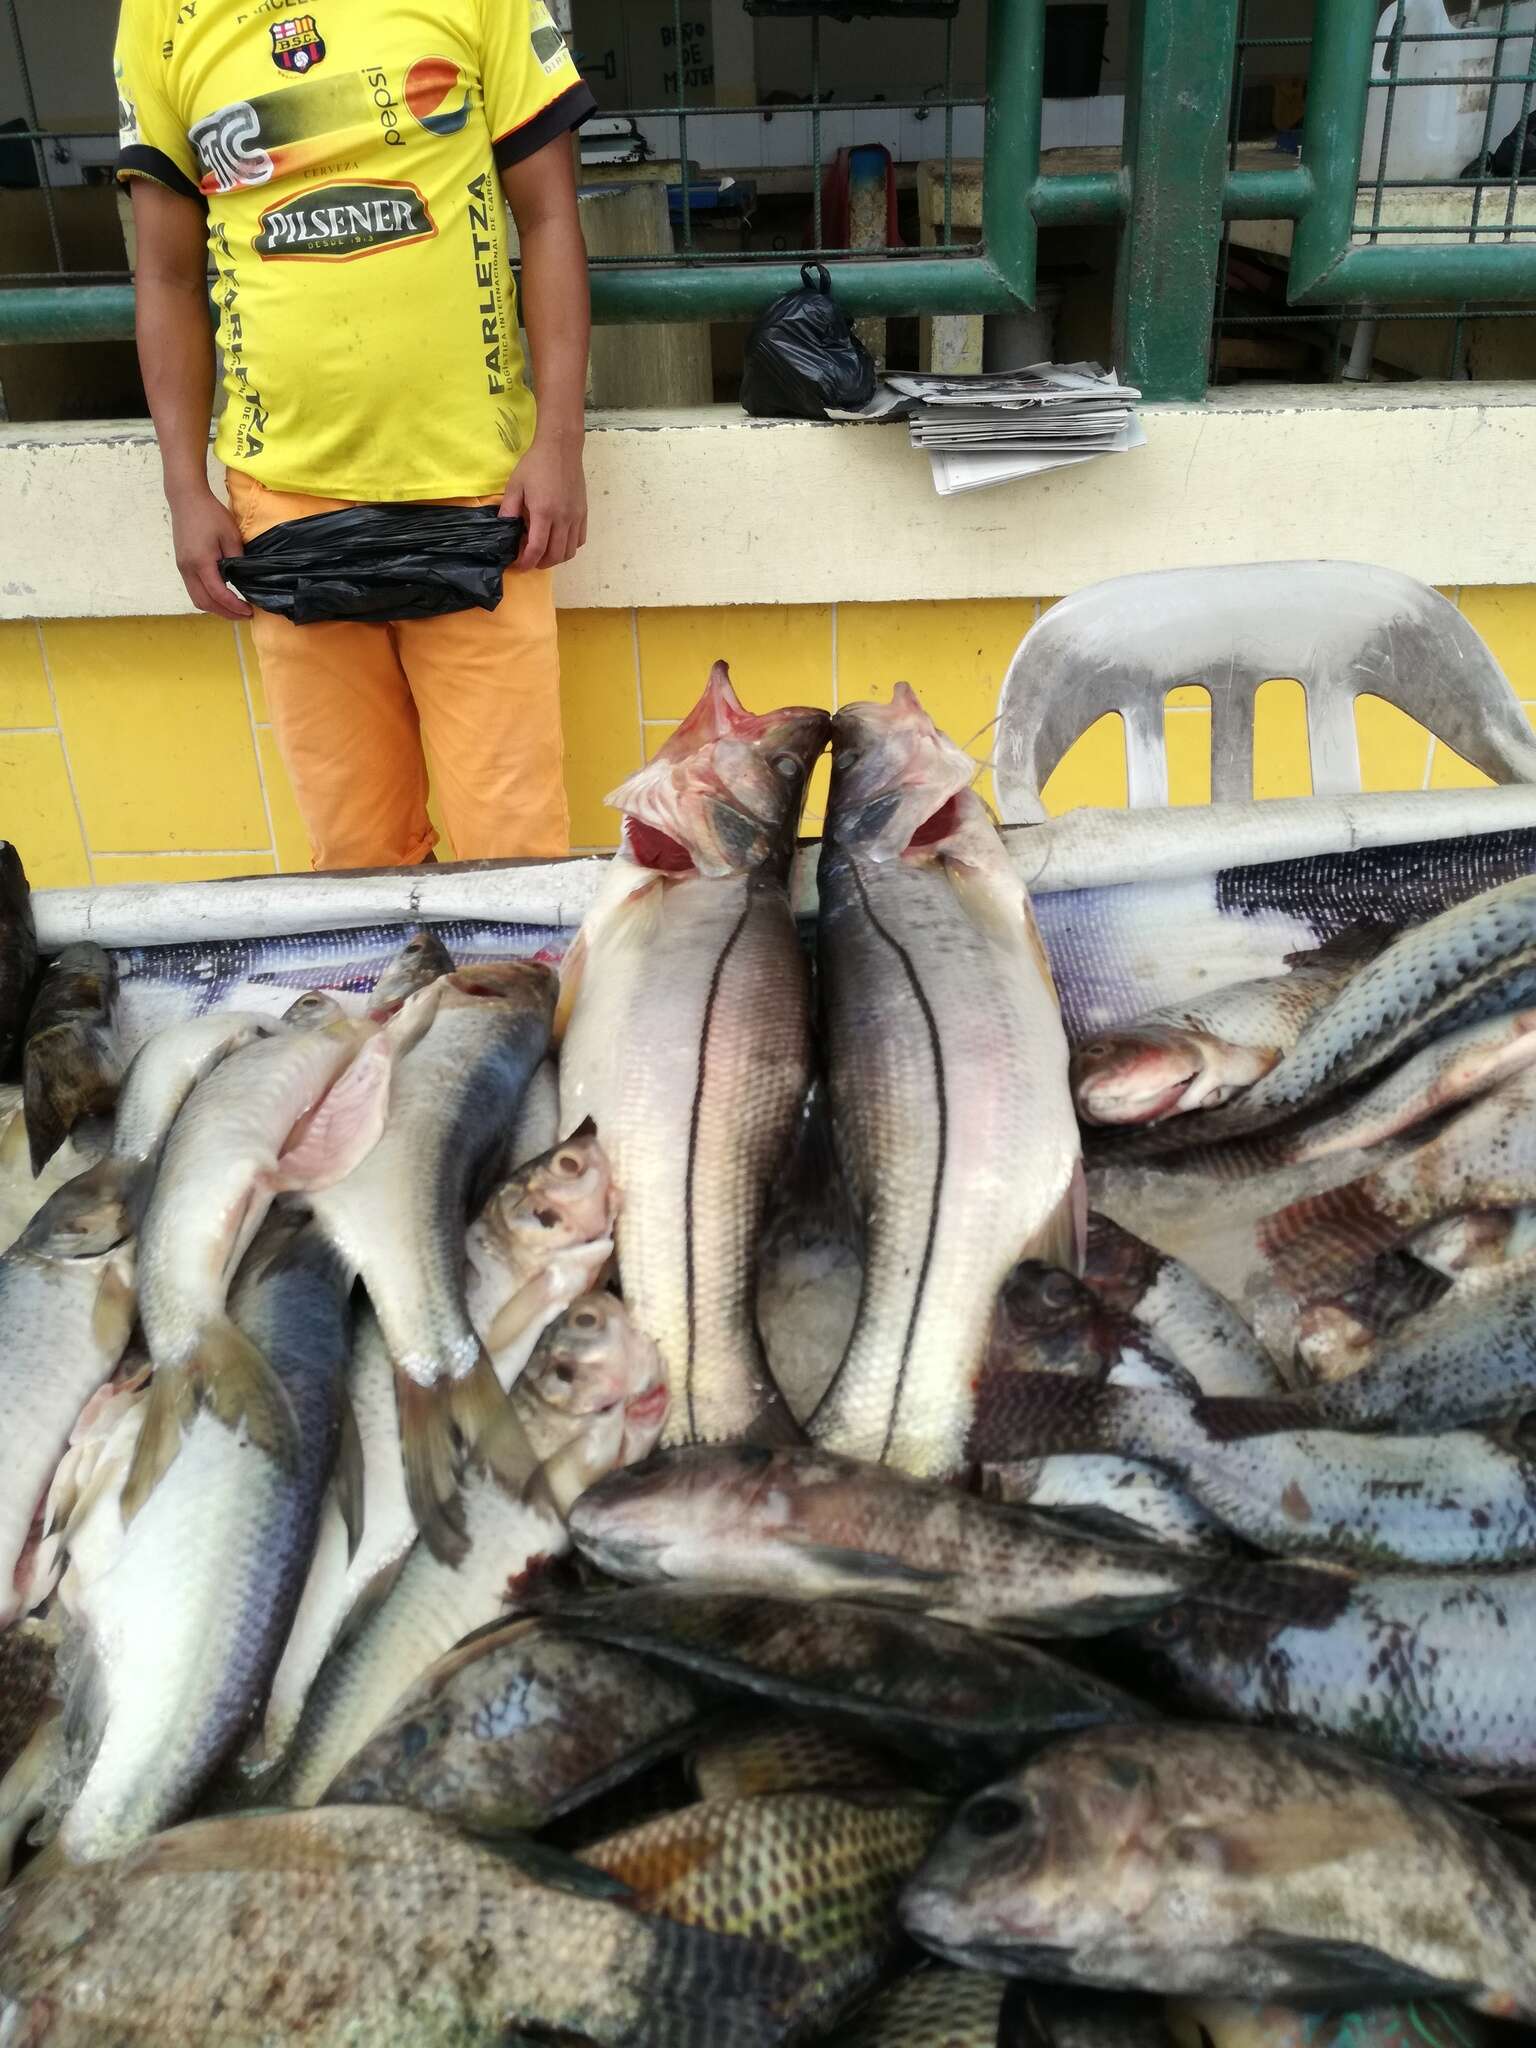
(549, 494)
(202, 530)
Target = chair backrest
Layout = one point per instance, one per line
(1341, 629)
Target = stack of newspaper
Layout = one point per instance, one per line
(989, 428)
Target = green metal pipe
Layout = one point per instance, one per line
(1175, 156)
(96, 312)
(1371, 275)
(1343, 41)
(734, 291)
(1268, 195)
(1082, 199)
(737, 291)
(1011, 149)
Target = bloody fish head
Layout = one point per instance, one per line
(723, 795)
(565, 1197)
(893, 774)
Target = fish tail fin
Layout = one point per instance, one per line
(433, 1460)
(1354, 946)
(47, 1121)
(228, 1376)
(1323, 1240)
(91, 1213)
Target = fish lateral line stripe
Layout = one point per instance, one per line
(694, 1119)
(931, 1025)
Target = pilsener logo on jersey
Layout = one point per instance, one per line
(342, 221)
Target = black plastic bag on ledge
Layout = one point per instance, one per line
(377, 563)
(802, 356)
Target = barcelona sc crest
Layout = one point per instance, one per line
(297, 45)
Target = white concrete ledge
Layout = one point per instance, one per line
(709, 508)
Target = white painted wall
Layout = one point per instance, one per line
(710, 508)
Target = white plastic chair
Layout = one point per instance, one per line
(1341, 629)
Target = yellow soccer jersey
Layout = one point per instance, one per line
(348, 158)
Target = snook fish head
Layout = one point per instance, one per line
(1142, 1074)
(563, 1198)
(893, 775)
(723, 795)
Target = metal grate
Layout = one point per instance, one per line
(943, 104)
(1466, 203)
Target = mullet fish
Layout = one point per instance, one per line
(399, 1217)
(686, 1036)
(947, 1078)
(1196, 1056)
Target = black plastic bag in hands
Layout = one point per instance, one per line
(378, 563)
(802, 356)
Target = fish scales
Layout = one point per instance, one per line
(692, 1052)
(1424, 1670)
(185, 1626)
(358, 1928)
(947, 1079)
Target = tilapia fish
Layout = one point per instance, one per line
(357, 1925)
(65, 1324)
(1485, 1158)
(686, 1036)
(1425, 1671)
(1457, 1499)
(102, 1206)
(1214, 2023)
(69, 1065)
(399, 1216)
(18, 954)
(1196, 1056)
(185, 1615)
(953, 1698)
(1230, 1863)
(516, 1727)
(947, 1077)
(512, 1531)
(1474, 961)
(1183, 1316)
(293, 1111)
(806, 1522)
(935, 2008)
(814, 1873)
(540, 1240)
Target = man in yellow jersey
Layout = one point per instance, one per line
(345, 167)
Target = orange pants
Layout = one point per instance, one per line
(353, 707)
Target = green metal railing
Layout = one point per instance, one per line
(1178, 189)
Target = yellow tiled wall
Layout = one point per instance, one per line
(140, 750)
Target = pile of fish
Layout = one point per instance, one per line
(718, 1497)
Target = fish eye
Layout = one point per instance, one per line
(568, 1164)
(993, 1815)
(786, 765)
(586, 1319)
(413, 1739)
(1057, 1290)
(1166, 1627)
